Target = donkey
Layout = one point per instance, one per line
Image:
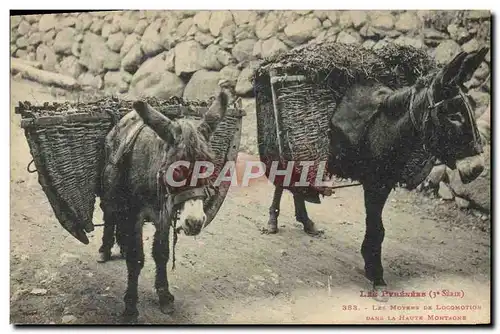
(434, 114)
(137, 190)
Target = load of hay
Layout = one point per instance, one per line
(305, 107)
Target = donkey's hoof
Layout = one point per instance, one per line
(272, 229)
(104, 257)
(167, 307)
(379, 294)
(130, 317)
(310, 228)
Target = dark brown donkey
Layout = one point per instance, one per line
(434, 114)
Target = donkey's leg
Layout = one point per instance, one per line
(135, 262)
(108, 237)
(371, 249)
(121, 239)
(274, 210)
(161, 255)
(302, 217)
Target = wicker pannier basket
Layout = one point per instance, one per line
(297, 93)
(67, 145)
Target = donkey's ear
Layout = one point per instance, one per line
(160, 124)
(451, 71)
(470, 65)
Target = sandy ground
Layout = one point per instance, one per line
(232, 273)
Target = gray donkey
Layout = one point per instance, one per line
(135, 188)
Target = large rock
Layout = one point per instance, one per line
(358, 18)
(64, 41)
(96, 56)
(35, 38)
(209, 59)
(90, 81)
(242, 51)
(66, 22)
(346, 38)
(244, 85)
(47, 57)
(384, 21)
(141, 26)
(478, 191)
(184, 27)
(244, 32)
(202, 20)
(47, 22)
(225, 58)
(48, 37)
(70, 66)
(266, 28)
(457, 33)
(129, 42)
(22, 42)
(84, 22)
(162, 85)
(244, 16)
(164, 62)
(345, 20)
(115, 41)
(15, 21)
(481, 73)
(97, 24)
(226, 38)
(445, 192)
(303, 29)
(437, 174)
(202, 85)
(446, 51)
(23, 28)
(230, 73)
(109, 29)
(272, 47)
(471, 46)
(133, 59)
(333, 16)
(408, 21)
(203, 38)
(479, 14)
(151, 42)
(482, 99)
(127, 24)
(219, 20)
(408, 41)
(113, 81)
(188, 57)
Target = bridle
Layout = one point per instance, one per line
(170, 202)
(430, 112)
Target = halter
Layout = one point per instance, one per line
(170, 202)
(431, 111)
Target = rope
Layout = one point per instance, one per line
(31, 171)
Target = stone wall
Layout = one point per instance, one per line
(186, 53)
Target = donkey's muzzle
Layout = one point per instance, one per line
(470, 168)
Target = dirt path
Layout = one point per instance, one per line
(232, 273)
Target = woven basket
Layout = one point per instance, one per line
(68, 152)
(293, 114)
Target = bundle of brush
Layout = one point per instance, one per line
(120, 106)
(341, 65)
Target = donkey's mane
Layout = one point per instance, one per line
(191, 145)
